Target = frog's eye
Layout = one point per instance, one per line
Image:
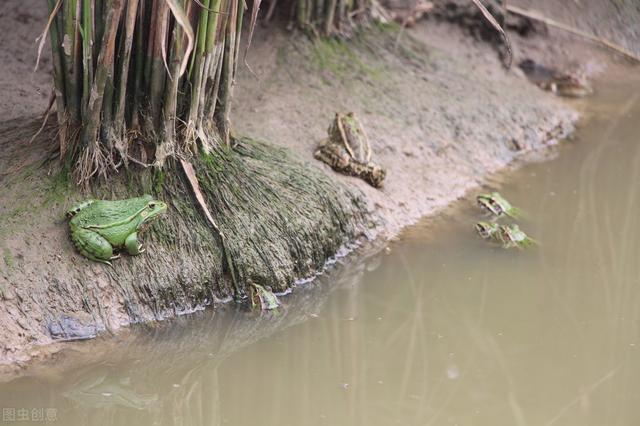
(152, 205)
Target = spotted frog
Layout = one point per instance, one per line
(347, 150)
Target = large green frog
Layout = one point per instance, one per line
(98, 227)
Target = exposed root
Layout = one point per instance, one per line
(93, 162)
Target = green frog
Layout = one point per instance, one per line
(347, 150)
(509, 236)
(497, 205)
(263, 297)
(512, 236)
(99, 226)
(487, 230)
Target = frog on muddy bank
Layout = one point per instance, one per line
(98, 227)
(347, 150)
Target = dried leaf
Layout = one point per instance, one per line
(190, 172)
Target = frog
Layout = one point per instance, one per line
(512, 236)
(100, 227)
(509, 236)
(570, 84)
(263, 297)
(497, 205)
(347, 150)
(487, 230)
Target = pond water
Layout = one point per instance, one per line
(439, 329)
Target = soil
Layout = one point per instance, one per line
(441, 112)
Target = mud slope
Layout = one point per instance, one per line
(440, 110)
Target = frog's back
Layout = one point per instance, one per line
(105, 213)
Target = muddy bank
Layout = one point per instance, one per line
(440, 110)
(441, 113)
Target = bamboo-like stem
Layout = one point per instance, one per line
(119, 73)
(167, 146)
(58, 79)
(198, 65)
(303, 7)
(158, 70)
(238, 20)
(342, 14)
(139, 66)
(68, 49)
(216, 46)
(330, 14)
(212, 99)
(130, 21)
(105, 61)
(87, 53)
(99, 26)
(228, 69)
(212, 25)
(319, 12)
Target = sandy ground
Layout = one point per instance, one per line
(440, 110)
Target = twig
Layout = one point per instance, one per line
(537, 16)
(43, 36)
(52, 98)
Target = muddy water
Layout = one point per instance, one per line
(440, 329)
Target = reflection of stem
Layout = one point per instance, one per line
(590, 389)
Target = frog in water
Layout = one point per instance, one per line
(263, 297)
(497, 205)
(512, 236)
(569, 85)
(98, 226)
(347, 150)
(508, 235)
(487, 230)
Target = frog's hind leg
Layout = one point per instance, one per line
(133, 245)
(92, 245)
